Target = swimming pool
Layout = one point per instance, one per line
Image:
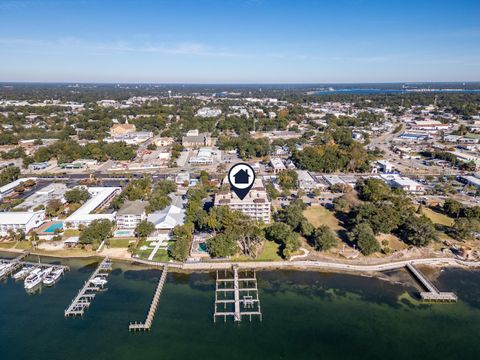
(202, 247)
(124, 233)
(51, 229)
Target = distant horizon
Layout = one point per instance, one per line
(239, 83)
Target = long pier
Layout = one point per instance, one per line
(145, 326)
(245, 301)
(87, 293)
(432, 293)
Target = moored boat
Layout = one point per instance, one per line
(53, 277)
(23, 273)
(33, 279)
(98, 281)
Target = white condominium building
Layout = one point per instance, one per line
(20, 220)
(256, 204)
(100, 196)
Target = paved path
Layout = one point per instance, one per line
(308, 264)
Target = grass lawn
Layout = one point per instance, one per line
(437, 218)
(270, 252)
(161, 255)
(24, 245)
(143, 253)
(120, 243)
(319, 215)
(394, 243)
(70, 232)
(7, 245)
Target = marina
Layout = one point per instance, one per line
(145, 326)
(92, 286)
(237, 296)
(33, 273)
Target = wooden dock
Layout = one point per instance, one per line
(17, 263)
(88, 292)
(432, 293)
(145, 326)
(237, 296)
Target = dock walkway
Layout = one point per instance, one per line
(87, 293)
(145, 326)
(245, 301)
(433, 294)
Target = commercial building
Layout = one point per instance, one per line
(256, 204)
(100, 196)
(208, 112)
(130, 214)
(122, 129)
(306, 181)
(194, 139)
(430, 125)
(384, 166)
(277, 165)
(404, 183)
(204, 156)
(20, 221)
(133, 138)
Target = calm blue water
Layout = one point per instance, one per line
(306, 315)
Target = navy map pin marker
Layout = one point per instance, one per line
(241, 178)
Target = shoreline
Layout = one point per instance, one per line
(296, 265)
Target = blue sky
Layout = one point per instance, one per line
(239, 41)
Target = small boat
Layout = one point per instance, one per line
(98, 281)
(33, 279)
(53, 277)
(5, 269)
(23, 273)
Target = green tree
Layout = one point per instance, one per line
(9, 174)
(96, 232)
(288, 179)
(419, 230)
(362, 234)
(466, 228)
(54, 208)
(77, 195)
(144, 228)
(324, 238)
(283, 234)
(222, 245)
(182, 235)
(452, 207)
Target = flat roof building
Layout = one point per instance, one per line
(20, 221)
(100, 196)
(277, 165)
